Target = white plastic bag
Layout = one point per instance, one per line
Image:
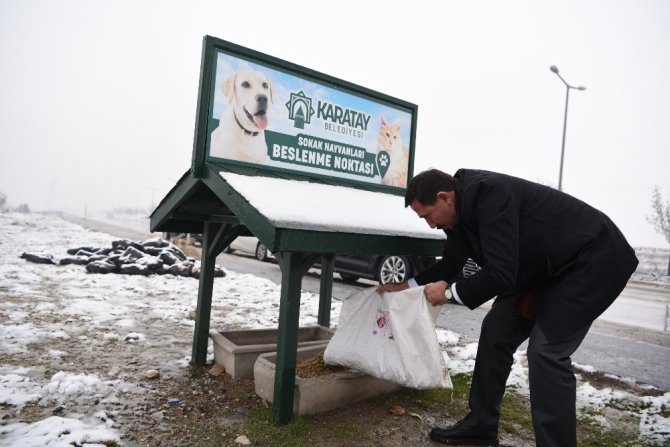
(390, 336)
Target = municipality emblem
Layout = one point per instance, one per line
(300, 109)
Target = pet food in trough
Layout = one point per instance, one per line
(237, 350)
(321, 393)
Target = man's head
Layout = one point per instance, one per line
(432, 196)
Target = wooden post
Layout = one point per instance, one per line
(326, 290)
(206, 286)
(287, 336)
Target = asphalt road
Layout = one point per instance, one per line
(625, 350)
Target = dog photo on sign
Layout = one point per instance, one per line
(241, 132)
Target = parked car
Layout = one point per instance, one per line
(389, 268)
(381, 268)
(251, 246)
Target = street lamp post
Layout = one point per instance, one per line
(554, 68)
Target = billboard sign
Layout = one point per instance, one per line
(273, 115)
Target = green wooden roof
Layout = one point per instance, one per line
(193, 201)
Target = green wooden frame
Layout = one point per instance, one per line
(203, 202)
(208, 204)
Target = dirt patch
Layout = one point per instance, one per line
(600, 380)
(196, 409)
(214, 411)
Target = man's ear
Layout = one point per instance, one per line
(444, 195)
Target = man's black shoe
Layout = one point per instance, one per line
(460, 434)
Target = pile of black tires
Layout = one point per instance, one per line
(153, 256)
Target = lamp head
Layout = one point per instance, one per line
(554, 68)
(581, 87)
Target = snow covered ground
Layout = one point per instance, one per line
(75, 346)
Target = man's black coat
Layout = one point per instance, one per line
(529, 238)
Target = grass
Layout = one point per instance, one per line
(453, 402)
(515, 414)
(370, 423)
(328, 427)
(302, 431)
(358, 425)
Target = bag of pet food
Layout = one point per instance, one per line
(390, 336)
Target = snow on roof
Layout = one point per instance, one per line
(304, 205)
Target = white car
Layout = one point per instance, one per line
(252, 246)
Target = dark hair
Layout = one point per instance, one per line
(424, 187)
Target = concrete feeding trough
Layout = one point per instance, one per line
(237, 350)
(318, 394)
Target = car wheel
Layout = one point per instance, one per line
(349, 278)
(393, 269)
(261, 252)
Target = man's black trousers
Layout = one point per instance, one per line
(552, 381)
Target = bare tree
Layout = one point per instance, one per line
(660, 218)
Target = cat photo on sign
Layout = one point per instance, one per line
(390, 141)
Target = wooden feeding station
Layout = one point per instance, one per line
(324, 181)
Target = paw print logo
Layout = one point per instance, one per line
(384, 159)
(383, 162)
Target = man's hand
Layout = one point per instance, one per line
(435, 292)
(391, 287)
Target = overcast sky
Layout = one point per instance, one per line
(98, 98)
